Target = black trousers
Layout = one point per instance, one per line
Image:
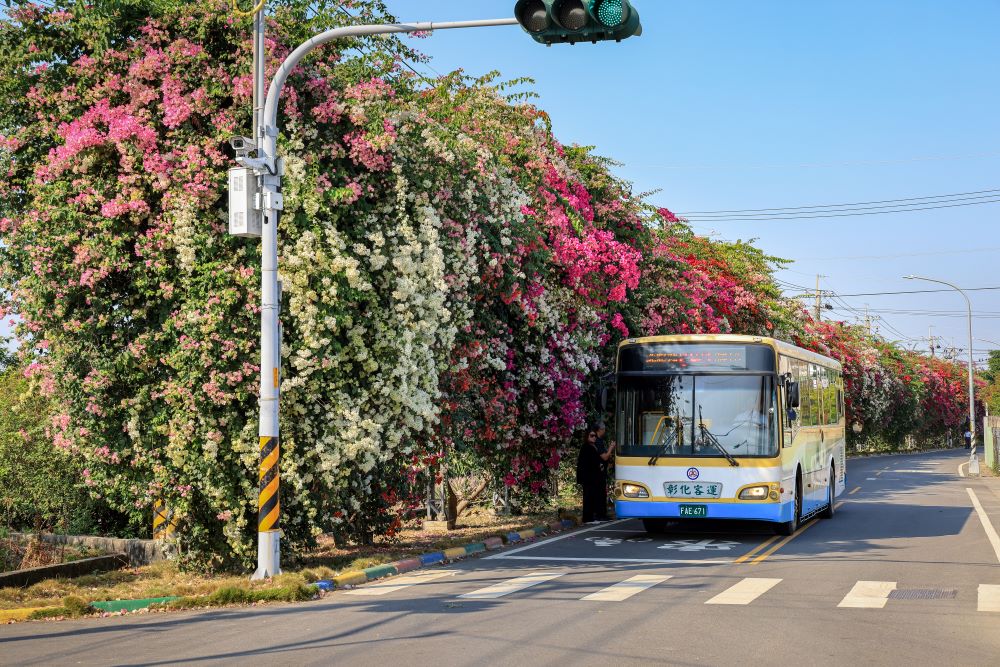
(595, 501)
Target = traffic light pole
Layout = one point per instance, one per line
(269, 168)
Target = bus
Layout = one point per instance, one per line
(727, 427)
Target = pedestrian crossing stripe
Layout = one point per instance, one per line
(989, 598)
(863, 595)
(745, 591)
(511, 586)
(393, 584)
(868, 595)
(623, 590)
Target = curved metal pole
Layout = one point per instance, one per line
(268, 502)
(972, 385)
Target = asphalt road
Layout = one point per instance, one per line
(904, 574)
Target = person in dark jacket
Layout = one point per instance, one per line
(591, 475)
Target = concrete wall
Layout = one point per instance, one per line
(139, 552)
(77, 568)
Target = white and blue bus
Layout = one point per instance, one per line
(727, 427)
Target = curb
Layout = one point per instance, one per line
(131, 605)
(344, 579)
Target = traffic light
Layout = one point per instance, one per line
(559, 21)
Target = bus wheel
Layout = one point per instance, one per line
(654, 525)
(828, 512)
(789, 527)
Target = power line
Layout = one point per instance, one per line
(842, 163)
(905, 254)
(837, 215)
(920, 291)
(860, 203)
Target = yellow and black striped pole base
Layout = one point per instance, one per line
(268, 502)
(268, 512)
(163, 525)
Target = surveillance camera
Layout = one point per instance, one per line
(242, 145)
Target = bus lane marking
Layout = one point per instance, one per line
(623, 590)
(744, 592)
(511, 586)
(868, 595)
(507, 554)
(855, 490)
(991, 532)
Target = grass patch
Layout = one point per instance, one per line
(72, 597)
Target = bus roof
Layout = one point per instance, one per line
(779, 346)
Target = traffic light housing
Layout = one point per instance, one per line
(560, 21)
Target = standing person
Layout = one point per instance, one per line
(604, 450)
(591, 477)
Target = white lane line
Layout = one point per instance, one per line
(991, 532)
(744, 592)
(395, 583)
(656, 561)
(506, 554)
(989, 598)
(960, 466)
(511, 586)
(868, 595)
(623, 590)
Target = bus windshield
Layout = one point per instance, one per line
(689, 415)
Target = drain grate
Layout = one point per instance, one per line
(924, 594)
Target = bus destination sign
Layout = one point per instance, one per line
(695, 358)
(715, 358)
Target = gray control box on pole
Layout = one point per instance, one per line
(244, 217)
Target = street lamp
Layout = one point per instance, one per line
(597, 20)
(973, 461)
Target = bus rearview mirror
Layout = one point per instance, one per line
(792, 394)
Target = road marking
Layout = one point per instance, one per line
(856, 489)
(871, 479)
(991, 532)
(395, 583)
(656, 561)
(506, 554)
(752, 552)
(623, 590)
(744, 592)
(879, 473)
(960, 466)
(511, 586)
(786, 540)
(868, 595)
(989, 598)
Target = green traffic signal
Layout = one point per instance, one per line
(560, 21)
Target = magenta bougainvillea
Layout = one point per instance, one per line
(455, 279)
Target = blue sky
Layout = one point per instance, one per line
(728, 104)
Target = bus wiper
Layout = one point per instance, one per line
(708, 435)
(661, 450)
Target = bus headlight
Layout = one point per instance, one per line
(755, 492)
(634, 491)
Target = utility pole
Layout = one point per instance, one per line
(930, 338)
(601, 20)
(819, 301)
(868, 321)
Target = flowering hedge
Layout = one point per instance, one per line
(454, 277)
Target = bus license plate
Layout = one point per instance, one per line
(694, 510)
